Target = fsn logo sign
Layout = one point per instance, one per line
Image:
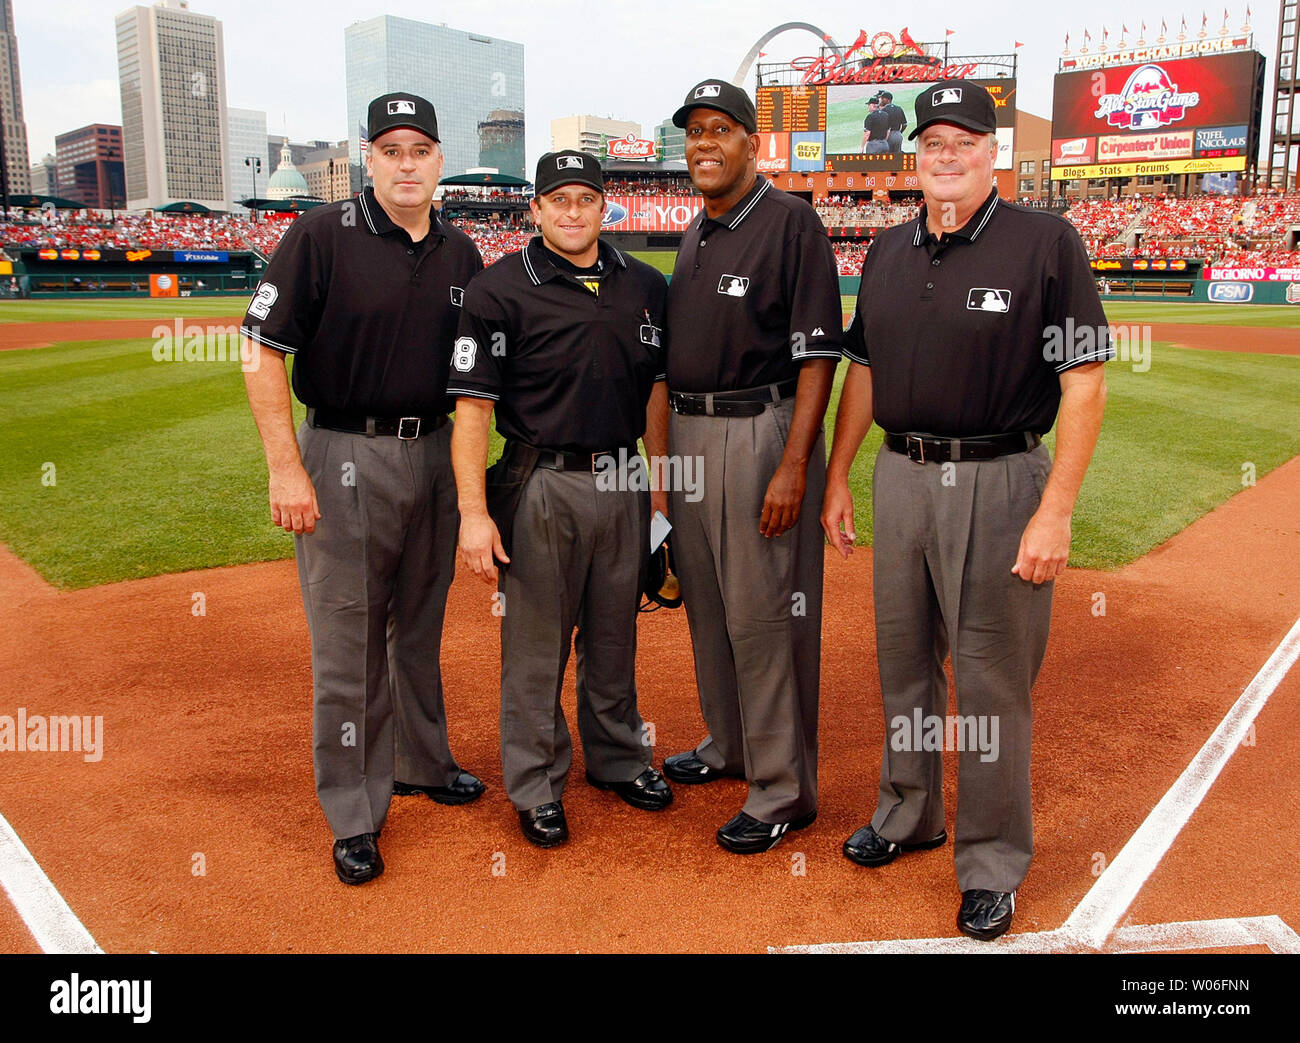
(1231, 292)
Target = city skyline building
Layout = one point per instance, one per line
(585, 133)
(470, 78)
(17, 163)
(89, 165)
(175, 139)
(247, 140)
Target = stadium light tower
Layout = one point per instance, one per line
(256, 163)
(1284, 140)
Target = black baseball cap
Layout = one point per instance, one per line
(567, 167)
(722, 95)
(956, 101)
(390, 111)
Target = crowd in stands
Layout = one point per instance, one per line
(849, 255)
(495, 195)
(1231, 231)
(845, 211)
(663, 187)
(1238, 231)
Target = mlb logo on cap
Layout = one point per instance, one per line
(708, 90)
(566, 162)
(401, 107)
(951, 96)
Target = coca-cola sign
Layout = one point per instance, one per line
(630, 147)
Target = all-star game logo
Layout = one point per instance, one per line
(1149, 100)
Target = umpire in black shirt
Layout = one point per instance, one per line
(754, 328)
(365, 294)
(565, 339)
(955, 349)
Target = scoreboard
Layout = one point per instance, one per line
(791, 109)
(837, 127)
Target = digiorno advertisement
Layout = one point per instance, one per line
(1190, 115)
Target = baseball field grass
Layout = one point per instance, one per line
(118, 466)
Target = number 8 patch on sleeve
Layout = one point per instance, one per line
(462, 355)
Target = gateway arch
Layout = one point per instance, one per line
(823, 40)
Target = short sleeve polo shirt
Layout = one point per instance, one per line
(754, 293)
(368, 315)
(569, 361)
(968, 335)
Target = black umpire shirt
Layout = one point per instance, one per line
(569, 360)
(967, 336)
(754, 293)
(369, 315)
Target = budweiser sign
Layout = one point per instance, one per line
(630, 147)
(893, 59)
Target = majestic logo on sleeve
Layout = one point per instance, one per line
(462, 355)
(734, 285)
(266, 295)
(401, 107)
(981, 298)
(1149, 100)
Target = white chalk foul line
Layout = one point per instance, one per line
(1109, 898)
(52, 923)
(1188, 936)
(1095, 917)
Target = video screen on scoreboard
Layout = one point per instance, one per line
(857, 127)
(1188, 115)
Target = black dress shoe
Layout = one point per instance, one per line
(464, 789)
(746, 835)
(868, 848)
(985, 914)
(357, 859)
(647, 791)
(687, 768)
(544, 825)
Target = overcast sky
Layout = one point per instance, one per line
(626, 60)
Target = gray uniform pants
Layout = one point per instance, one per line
(575, 562)
(374, 579)
(754, 606)
(945, 540)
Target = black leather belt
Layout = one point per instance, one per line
(404, 427)
(554, 460)
(747, 402)
(927, 449)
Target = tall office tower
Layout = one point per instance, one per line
(90, 166)
(247, 130)
(172, 69)
(473, 81)
(16, 171)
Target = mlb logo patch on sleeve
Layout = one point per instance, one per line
(982, 298)
(457, 296)
(734, 285)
